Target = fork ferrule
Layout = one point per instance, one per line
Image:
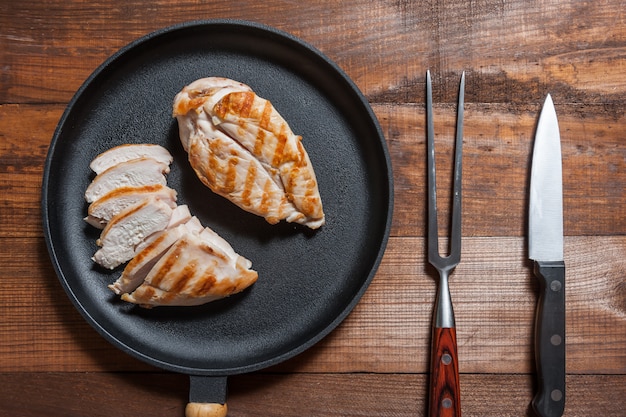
(444, 313)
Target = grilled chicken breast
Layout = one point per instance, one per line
(242, 149)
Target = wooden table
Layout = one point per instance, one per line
(53, 363)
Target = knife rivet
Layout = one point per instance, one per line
(556, 339)
(447, 402)
(556, 395)
(555, 285)
(446, 359)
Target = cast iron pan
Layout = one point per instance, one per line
(309, 281)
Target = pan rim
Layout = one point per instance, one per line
(54, 255)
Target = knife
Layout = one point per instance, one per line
(545, 248)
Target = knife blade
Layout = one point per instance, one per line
(545, 248)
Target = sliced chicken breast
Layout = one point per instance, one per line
(194, 270)
(101, 211)
(128, 229)
(128, 152)
(134, 173)
(218, 118)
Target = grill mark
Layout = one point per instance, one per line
(266, 202)
(151, 188)
(168, 261)
(249, 184)
(230, 182)
(265, 119)
(188, 273)
(147, 251)
(238, 103)
(127, 213)
(259, 142)
(145, 293)
(281, 141)
(300, 160)
(184, 106)
(205, 284)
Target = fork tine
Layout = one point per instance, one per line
(454, 255)
(455, 234)
(433, 228)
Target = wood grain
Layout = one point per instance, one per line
(377, 361)
(444, 396)
(497, 140)
(279, 395)
(517, 52)
(389, 330)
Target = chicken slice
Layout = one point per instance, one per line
(138, 267)
(101, 211)
(195, 270)
(128, 152)
(133, 173)
(180, 215)
(215, 116)
(128, 229)
(194, 225)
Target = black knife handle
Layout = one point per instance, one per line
(549, 401)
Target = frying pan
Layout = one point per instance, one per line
(309, 281)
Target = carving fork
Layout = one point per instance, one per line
(445, 398)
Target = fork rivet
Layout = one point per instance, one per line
(556, 285)
(446, 359)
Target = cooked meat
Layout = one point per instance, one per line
(144, 259)
(237, 143)
(180, 215)
(128, 229)
(102, 210)
(133, 173)
(231, 171)
(128, 152)
(172, 258)
(195, 270)
(203, 91)
(194, 225)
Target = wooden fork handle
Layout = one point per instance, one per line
(445, 393)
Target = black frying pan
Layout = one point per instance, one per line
(308, 280)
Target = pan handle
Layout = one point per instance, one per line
(207, 397)
(206, 410)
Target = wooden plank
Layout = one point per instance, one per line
(158, 394)
(376, 362)
(517, 53)
(25, 134)
(497, 151)
(494, 295)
